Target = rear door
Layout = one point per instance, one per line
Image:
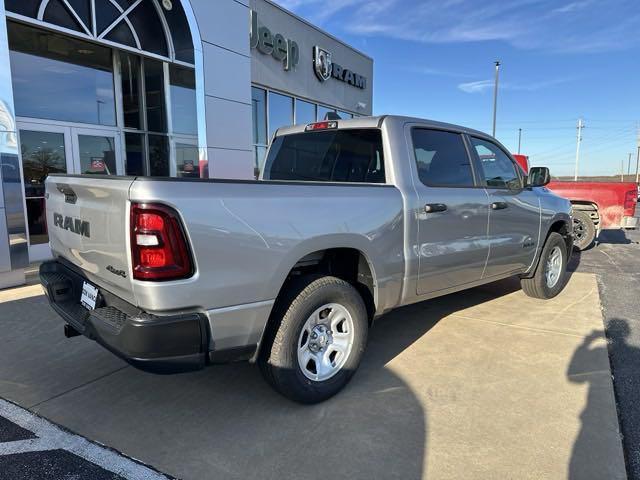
(453, 212)
(88, 220)
(514, 219)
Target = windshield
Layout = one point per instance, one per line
(353, 155)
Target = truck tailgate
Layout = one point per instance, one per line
(88, 219)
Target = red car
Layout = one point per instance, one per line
(596, 205)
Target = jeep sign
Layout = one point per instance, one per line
(282, 49)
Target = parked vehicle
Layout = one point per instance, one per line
(596, 205)
(352, 218)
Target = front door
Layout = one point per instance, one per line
(452, 214)
(514, 220)
(47, 149)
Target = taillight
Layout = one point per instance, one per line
(159, 250)
(630, 199)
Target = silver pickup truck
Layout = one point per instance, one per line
(350, 219)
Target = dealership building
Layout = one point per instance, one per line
(168, 88)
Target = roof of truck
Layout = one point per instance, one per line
(377, 121)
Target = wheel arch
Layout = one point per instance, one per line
(347, 261)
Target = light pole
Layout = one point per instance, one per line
(519, 139)
(580, 127)
(495, 95)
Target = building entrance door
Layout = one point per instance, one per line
(50, 148)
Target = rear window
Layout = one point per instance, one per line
(353, 155)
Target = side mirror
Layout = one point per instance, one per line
(538, 177)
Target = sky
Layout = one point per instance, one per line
(561, 60)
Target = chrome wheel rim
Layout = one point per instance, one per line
(554, 267)
(325, 342)
(578, 229)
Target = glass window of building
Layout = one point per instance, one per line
(43, 153)
(305, 112)
(183, 100)
(259, 111)
(97, 155)
(159, 156)
(131, 88)
(61, 78)
(155, 96)
(322, 112)
(187, 161)
(135, 158)
(345, 115)
(280, 112)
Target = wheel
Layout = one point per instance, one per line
(584, 230)
(316, 347)
(550, 277)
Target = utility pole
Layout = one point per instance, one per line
(495, 95)
(580, 127)
(629, 164)
(519, 139)
(638, 158)
(621, 170)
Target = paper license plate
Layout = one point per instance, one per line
(89, 296)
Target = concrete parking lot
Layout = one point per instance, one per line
(483, 384)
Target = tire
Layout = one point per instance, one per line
(303, 305)
(541, 285)
(584, 230)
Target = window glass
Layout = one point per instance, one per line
(122, 34)
(83, 10)
(305, 112)
(187, 161)
(58, 14)
(106, 14)
(154, 84)
(28, 8)
(441, 158)
(147, 24)
(130, 67)
(180, 33)
(327, 156)
(158, 156)
(497, 168)
(259, 111)
(322, 112)
(135, 153)
(260, 154)
(97, 155)
(43, 153)
(280, 112)
(60, 78)
(183, 100)
(345, 115)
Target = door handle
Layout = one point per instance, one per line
(499, 205)
(435, 207)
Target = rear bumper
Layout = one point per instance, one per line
(158, 344)
(630, 222)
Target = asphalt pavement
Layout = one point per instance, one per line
(616, 261)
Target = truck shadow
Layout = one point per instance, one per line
(613, 237)
(225, 422)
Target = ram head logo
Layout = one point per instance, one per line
(322, 63)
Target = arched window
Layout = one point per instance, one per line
(152, 26)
